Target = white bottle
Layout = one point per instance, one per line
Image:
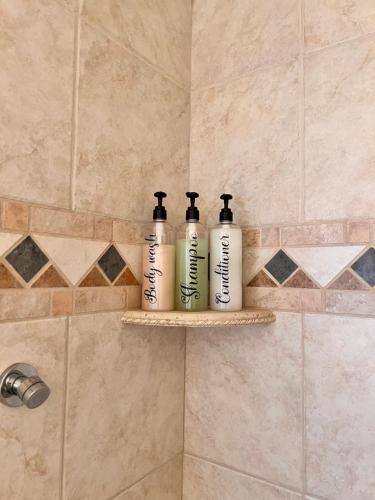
(226, 262)
(158, 262)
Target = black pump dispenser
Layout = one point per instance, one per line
(192, 212)
(226, 214)
(160, 212)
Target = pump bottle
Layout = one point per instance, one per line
(158, 261)
(192, 261)
(226, 262)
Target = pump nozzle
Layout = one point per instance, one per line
(192, 212)
(226, 214)
(160, 212)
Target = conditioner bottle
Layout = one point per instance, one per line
(226, 262)
(192, 262)
(158, 261)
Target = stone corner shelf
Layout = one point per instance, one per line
(199, 319)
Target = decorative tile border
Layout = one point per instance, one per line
(334, 279)
(56, 261)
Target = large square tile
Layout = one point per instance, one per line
(340, 407)
(235, 37)
(340, 131)
(36, 88)
(31, 440)
(125, 403)
(133, 133)
(243, 398)
(245, 141)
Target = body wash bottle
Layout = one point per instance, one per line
(158, 262)
(226, 262)
(192, 262)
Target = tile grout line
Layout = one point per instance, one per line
(246, 474)
(65, 410)
(304, 462)
(184, 417)
(302, 208)
(74, 126)
(138, 481)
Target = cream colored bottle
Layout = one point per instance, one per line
(226, 262)
(158, 255)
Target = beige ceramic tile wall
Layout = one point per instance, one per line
(283, 97)
(94, 117)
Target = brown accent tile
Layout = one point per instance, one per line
(350, 302)
(103, 228)
(262, 279)
(133, 297)
(98, 299)
(250, 237)
(62, 302)
(358, 232)
(372, 236)
(49, 220)
(299, 280)
(273, 298)
(94, 278)
(7, 280)
(347, 281)
(127, 278)
(270, 237)
(127, 232)
(313, 234)
(50, 279)
(23, 304)
(15, 216)
(312, 300)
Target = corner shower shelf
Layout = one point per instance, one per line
(199, 319)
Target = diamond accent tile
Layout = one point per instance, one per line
(281, 266)
(299, 280)
(50, 279)
(7, 280)
(262, 279)
(324, 263)
(27, 259)
(348, 281)
(74, 257)
(94, 278)
(365, 266)
(111, 263)
(126, 279)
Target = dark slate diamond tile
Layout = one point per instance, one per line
(27, 259)
(111, 263)
(281, 266)
(365, 266)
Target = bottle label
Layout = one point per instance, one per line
(190, 290)
(150, 292)
(222, 269)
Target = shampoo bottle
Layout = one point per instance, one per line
(226, 262)
(158, 262)
(192, 262)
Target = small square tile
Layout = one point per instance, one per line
(365, 266)
(281, 266)
(111, 263)
(27, 259)
(15, 216)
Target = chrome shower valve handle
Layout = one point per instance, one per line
(21, 385)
